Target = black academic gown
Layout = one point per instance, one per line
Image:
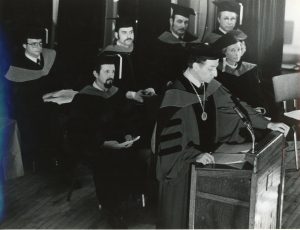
(170, 58)
(125, 74)
(181, 136)
(243, 82)
(95, 117)
(211, 37)
(26, 82)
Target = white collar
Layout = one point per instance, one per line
(232, 66)
(32, 58)
(176, 36)
(192, 79)
(223, 31)
(97, 87)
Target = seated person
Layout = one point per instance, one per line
(241, 78)
(102, 129)
(195, 116)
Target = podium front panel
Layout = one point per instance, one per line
(222, 198)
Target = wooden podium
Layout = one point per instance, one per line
(251, 197)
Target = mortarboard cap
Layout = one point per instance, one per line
(228, 5)
(124, 22)
(182, 10)
(224, 41)
(204, 50)
(231, 6)
(106, 58)
(33, 33)
(238, 34)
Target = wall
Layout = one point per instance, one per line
(291, 52)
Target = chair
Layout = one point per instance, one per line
(286, 88)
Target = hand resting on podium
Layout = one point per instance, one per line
(205, 158)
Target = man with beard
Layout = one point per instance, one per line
(101, 129)
(123, 46)
(171, 48)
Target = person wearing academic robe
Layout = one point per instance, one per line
(196, 115)
(240, 77)
(127, 75)
(32, 74)
(101, 130)
(171, 48)
(229, 11)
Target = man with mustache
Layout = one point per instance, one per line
(171, 48)
(123, 46)
(101, 129)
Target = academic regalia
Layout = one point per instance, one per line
(26, 83)
(171, 53)
(181, 136)
(211, 37)
(126, 64)
(243, 82)
(95, 117)
(223, 5)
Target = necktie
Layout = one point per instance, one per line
(38, 61)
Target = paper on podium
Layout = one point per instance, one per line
(228, 154)
(229, 158)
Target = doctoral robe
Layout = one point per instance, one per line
(181, 136)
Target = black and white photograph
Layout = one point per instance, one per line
(149, 114)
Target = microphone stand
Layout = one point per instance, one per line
(248, 126)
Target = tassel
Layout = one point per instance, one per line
(224, 64)
(120, 66)
(241, 13)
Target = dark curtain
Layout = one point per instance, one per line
(153, 19)
(80, 32)
(264, 24)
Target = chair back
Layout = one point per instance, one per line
(286, 87)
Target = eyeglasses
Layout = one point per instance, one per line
(35, 44)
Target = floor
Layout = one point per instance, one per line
(40, 201)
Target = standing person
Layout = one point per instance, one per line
(171, 48)
(129, 77)
(195, 115)
(126, 76)
(101, 129)
(228, 15)
(32, 74)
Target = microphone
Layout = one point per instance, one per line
(247, 124)
(241, 115)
